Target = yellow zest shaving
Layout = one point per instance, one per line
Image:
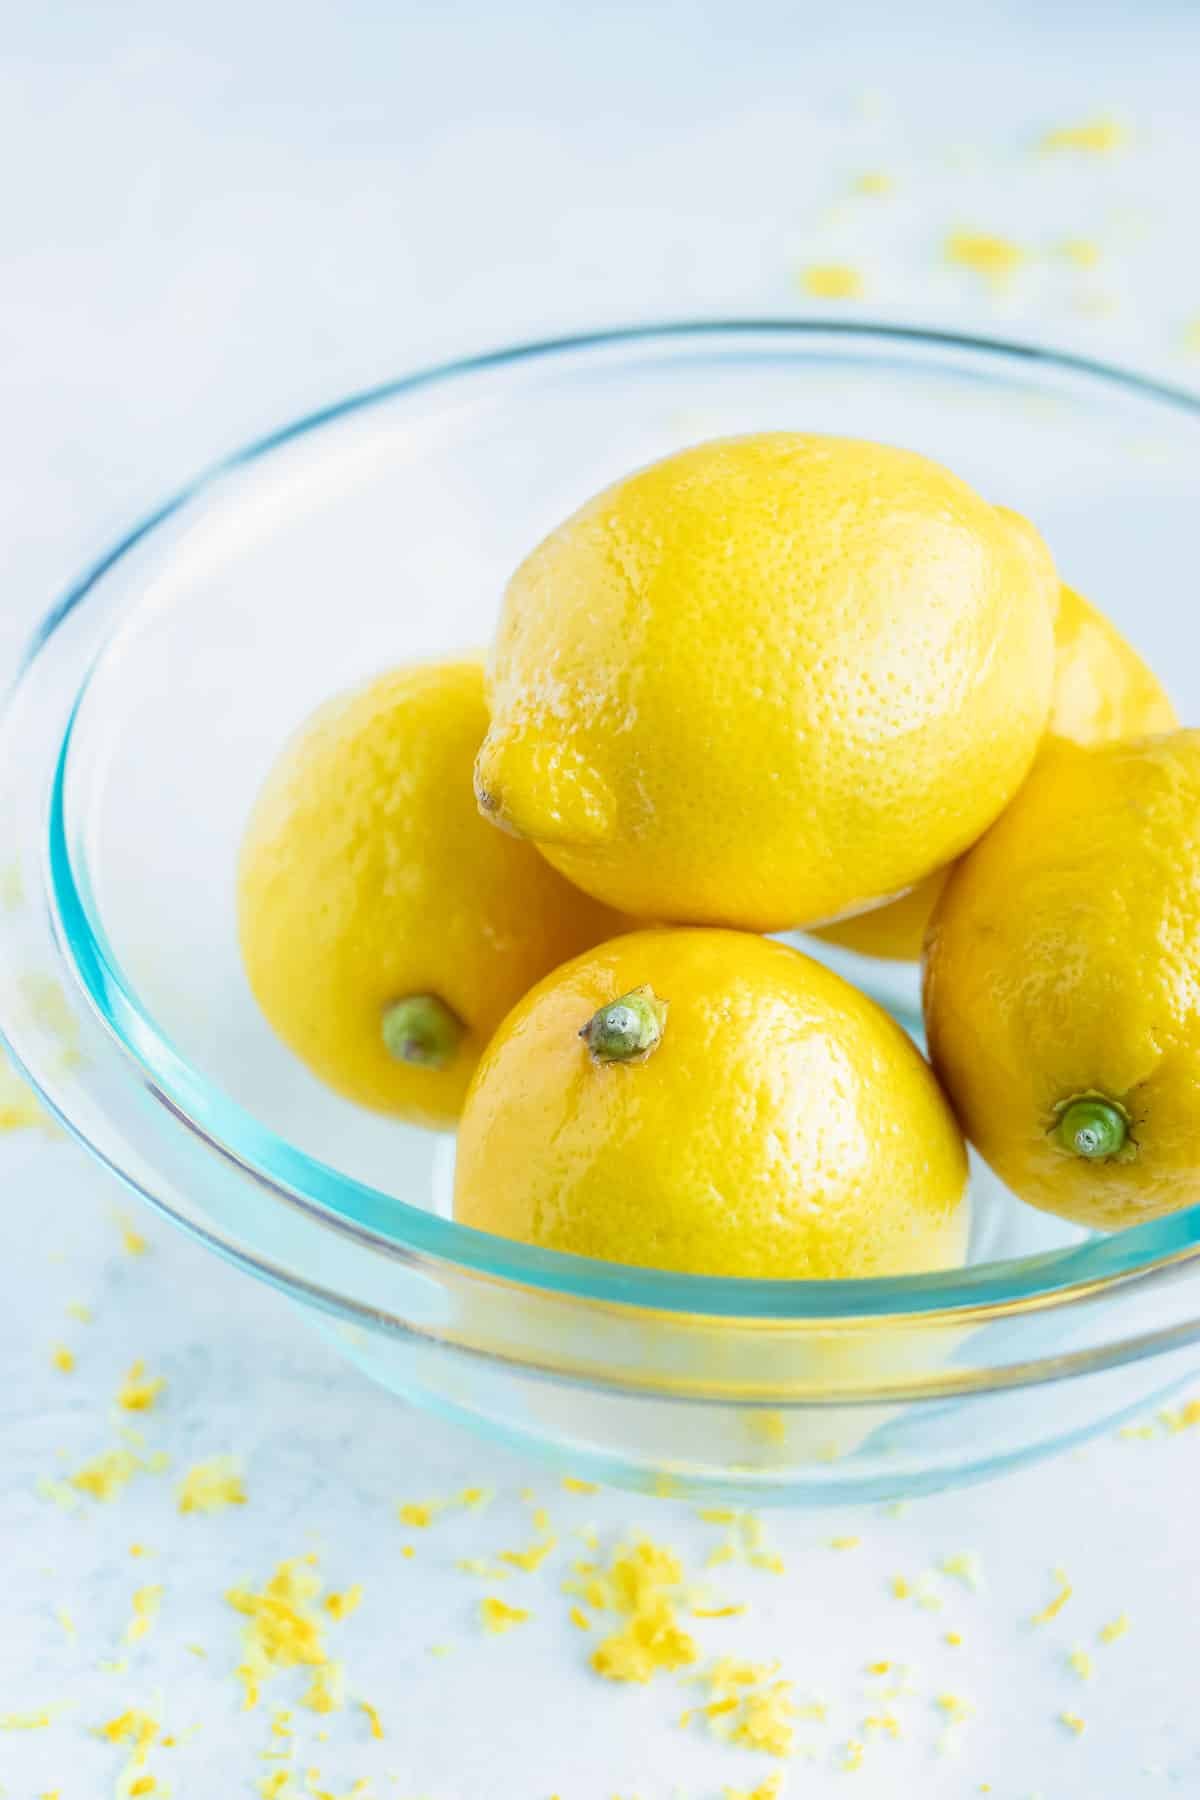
(883, 1722)
(578, 1617)
(78, 1310)
(140, 1731)
(954, 1638)
(530, 1559)
(1081, 1662)
(132, 1241)
(844, 1543)
(19, 1111)
(901, 1587)
(853, 1756)
(340, 1606)
(146, 1602)
(62, 1359)
(718, 1515)
(1180, 1418)
(373, 1719)
(965, 1566)
(956, 1709)
(997, 259)
(417, 1514)
(497, 1617)
(33, 1721)
(136, 1393)
(1073, 1722)
(644, 1585)
(717, 1612)
(1083, 252)
(875, 182)
(108, 1475)
(832, 281)
(1115, 1629)
(1053, 1607)
(762, 1711)
(326, 1691)
(770, 1789)
(1095, 137)
(211, 1486)
(285, 1628)
(479, 1565)
(476, 1498)
(573, 1485)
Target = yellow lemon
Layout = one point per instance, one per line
(710, 1101)
(386, 930)
(768, 681)
(1062, 983)
(1102, 691)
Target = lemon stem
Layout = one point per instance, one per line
(421, 1029)
(1092, 1127)
(628, 1029)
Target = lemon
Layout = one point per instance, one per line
(1102, 691)
(385, 928)
(709, 1101)
(1062, 983)
(768, 681)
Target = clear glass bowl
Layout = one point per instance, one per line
(155, 696)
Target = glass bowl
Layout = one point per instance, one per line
(156, 694)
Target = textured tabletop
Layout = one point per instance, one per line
(213, 219)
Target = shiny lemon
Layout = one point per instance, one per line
(710, 1101)
(385, 928)
(1062, 983)
(768, 681)
(1102, 691)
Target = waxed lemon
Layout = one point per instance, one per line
(385, 928)
(1062, 983)
(1102, 691)
(768, 680)
(731, 1108)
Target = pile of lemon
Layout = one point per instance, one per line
(770, 682)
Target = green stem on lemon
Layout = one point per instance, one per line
(628, 1029)
(422, 1030)
(1091, 1126)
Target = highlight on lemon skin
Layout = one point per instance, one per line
(768, 1120)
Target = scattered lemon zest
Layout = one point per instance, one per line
(578, 1617)
(211, 1486)
(108, 1474)
(995, 258)
(956, 1709)
(476, 1498)
(441, 1649)
(497, 1617)
(146, 1602)
(32, 1721)
(874, 181)
(78, 1310)
(718, 1515)
(1073, 1722)
(844, 1543)
(1053, 1607)
(717, 1612)
(479, 1565)
(285, 1629)
(373, 1719)
(954, 1638)
(1116, 1628)
(132, 1241)
(326, 1692)
(883, 1722)
(62, 1359)
(67, 1622)
(901, 1587)
(1083, 252)
(1180, 1418)
(852, 1757)
(573, 1485)
(966, 1566)
(137, 1393)
(832, 281)
(1094, 137)
(139, 1730)
(530, 1559)
(643, 1584)
(770, 1789)
(1079, 1660)
(340, 1606)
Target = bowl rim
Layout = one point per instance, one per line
(394, 1228)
